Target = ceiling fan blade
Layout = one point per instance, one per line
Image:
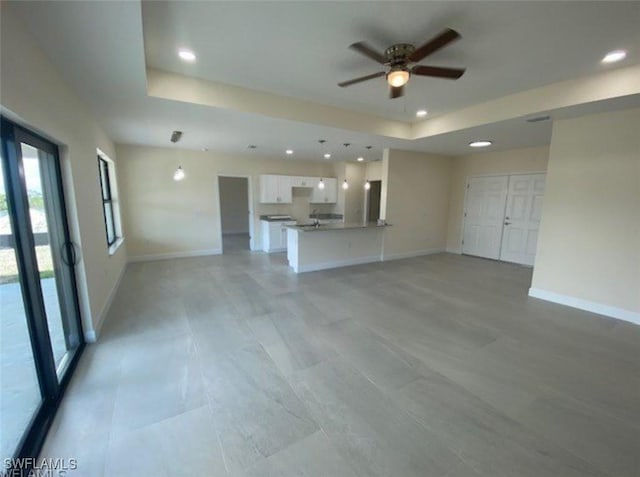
(437, 71)
(433, 45)
(396, 92)
(364, 49)
(361, 79)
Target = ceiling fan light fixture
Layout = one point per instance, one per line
(398, 77)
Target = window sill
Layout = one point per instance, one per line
(116, 245)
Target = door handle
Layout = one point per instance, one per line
(71, 257)
(507, 223)
(74, 254)
(65, 254)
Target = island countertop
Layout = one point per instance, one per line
(326, 227)
(340, 245)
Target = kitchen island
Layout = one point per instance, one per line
(311, 247)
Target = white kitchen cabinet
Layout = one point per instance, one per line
(331, 190)
(275, 189)
(303, 181)
(328, 195)
(274, 236)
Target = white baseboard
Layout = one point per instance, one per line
(599, 308)
(91, 336)
(167, 256)
(337, 263)
(416, 253)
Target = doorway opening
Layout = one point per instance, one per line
(373, 201)
(235, 213)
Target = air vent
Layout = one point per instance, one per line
(175, 136)
(537, 119)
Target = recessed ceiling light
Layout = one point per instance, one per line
(360, 159)
(187, 55)
(289, 151)
(327, 156)
(421, 113)
(480, 143)
(614, 56)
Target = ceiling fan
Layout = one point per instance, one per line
(398, 58)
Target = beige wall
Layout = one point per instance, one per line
(354, 197)
(234, 204)
(374, 171)
(589, 242)
(167, 218)
(33, 92)
(416, 195)
(512, 161)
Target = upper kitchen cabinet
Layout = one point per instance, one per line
(275, 189)
(328, 195)
(303, 181)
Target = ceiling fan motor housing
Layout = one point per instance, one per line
(398, 54)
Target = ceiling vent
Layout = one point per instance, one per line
(175, 136)
(537, 119)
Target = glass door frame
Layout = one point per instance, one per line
(52, 386)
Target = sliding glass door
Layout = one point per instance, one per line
(40, 321)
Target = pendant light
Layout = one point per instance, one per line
(321, 184)
(367, 185)
(345, 185)
(179, 174)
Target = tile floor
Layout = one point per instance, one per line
(432, 366)
(235, 243)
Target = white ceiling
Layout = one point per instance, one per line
(299, 49)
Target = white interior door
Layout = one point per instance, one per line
(522, 218)
(484, 214)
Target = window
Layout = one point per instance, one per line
(109, 202)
